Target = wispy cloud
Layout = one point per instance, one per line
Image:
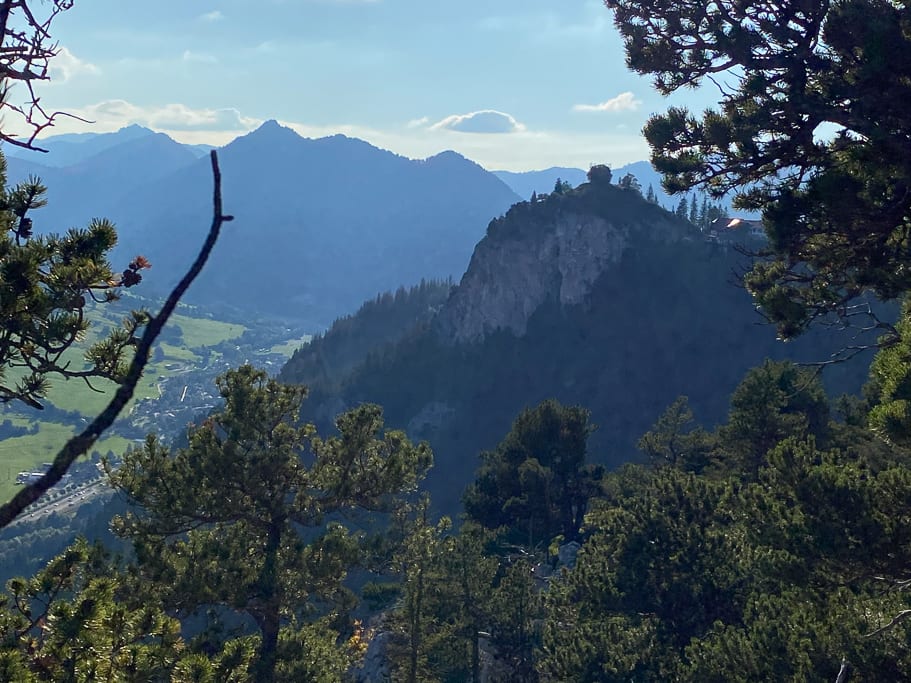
(214, 15)
(198, 57)
(483, 121)
(625, 101)
(66, 65)
(114, 114)
(547, 27)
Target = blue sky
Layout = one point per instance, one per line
(512, 84)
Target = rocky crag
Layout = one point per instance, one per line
(559, 251)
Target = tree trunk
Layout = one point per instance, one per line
(416, 628)
(5, 7)
(269, 620)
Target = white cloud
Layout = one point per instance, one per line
(181, 117)
(214, 15)
(520, 151)
(483, 121)
(418, 123)
(65, 65)
(625, 101)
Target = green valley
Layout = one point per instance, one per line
(177, 386)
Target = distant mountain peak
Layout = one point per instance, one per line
(273, 127)
(270, 131)
(135, 130)
(449, 158)
(271, 124)
(446, 154)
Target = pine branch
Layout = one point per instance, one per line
(81, 443)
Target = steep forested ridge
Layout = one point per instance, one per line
(329, 357)
(664, 318)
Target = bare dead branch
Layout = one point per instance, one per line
(896, 620)
(80, 444)
(26, 49)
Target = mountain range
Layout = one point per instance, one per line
(320, 224)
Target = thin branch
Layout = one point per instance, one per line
(896, 620)
(89, 385)
(843, 355)
(80, 444)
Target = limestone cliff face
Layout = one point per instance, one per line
(553, 249)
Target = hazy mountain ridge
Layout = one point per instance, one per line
(321, 224)
(99, 176)
(69, 149)
(542, 182)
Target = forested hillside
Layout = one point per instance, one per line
(330, 357)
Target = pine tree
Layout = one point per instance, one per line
(562, 186)
(629, 182)
(835, 206)
(650, 194)
(536, 482)
(681, 210)
(70, 622)
(219, 519)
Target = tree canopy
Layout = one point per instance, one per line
(811, 129)
(536, 483)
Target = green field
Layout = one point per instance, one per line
(26, 452)
(291, 345)
(23, 453)
(201, 332)
(196, 333)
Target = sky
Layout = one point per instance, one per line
(512, 84)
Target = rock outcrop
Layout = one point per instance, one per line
(552, 249)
